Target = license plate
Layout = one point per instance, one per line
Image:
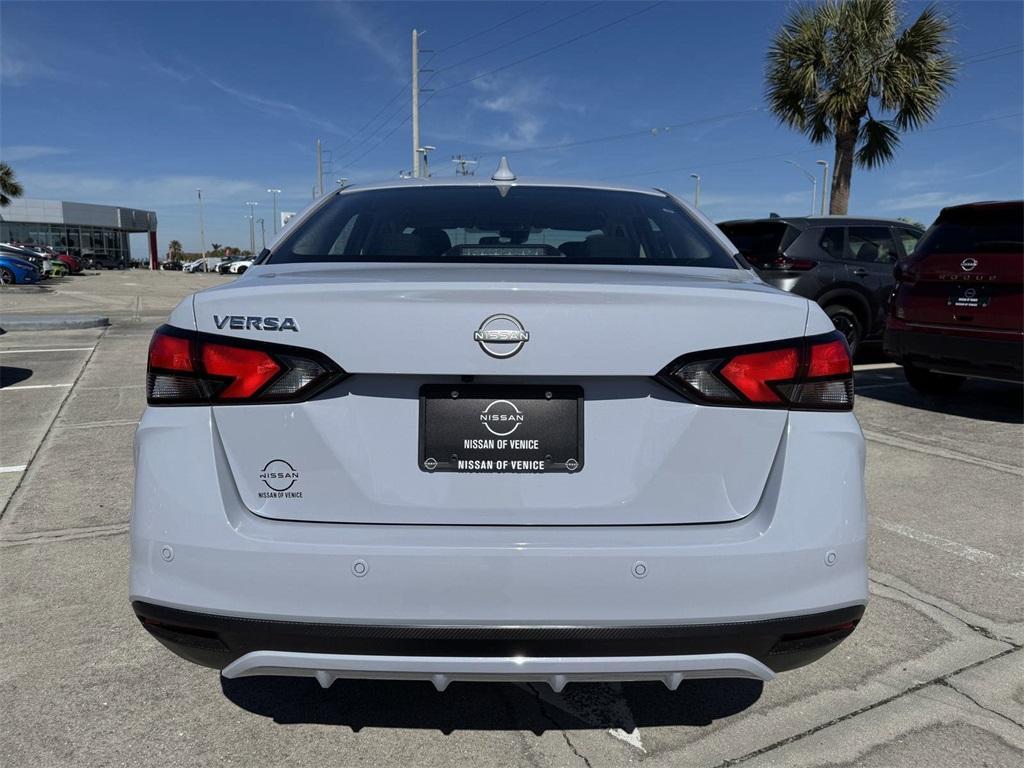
(514, 429)
(969, 297)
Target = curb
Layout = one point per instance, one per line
(51, 322)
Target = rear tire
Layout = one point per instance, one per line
(6, 276)
(931, 383)
(847, 323)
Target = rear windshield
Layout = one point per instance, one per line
(760, 241)
(525, 225)
(975, 230)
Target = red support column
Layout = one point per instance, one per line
(152, 250)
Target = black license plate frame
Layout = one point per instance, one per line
(462, 426)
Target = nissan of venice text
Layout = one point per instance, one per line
(515, 430)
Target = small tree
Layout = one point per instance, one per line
(836, 69)
(174, 250)
(9, 186)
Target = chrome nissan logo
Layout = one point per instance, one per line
(501, 336)
(968, 264)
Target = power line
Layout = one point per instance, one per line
(519, 39)
(475, 35)
(549, 49)
(775, 156)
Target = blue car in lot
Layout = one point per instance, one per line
(15, 270)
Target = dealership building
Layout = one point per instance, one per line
(84, 229)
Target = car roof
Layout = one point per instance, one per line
(822, 221)
(985, 205)
(484, 181)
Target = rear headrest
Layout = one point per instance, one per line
(394, 244)
(606, 247)
(435, 240)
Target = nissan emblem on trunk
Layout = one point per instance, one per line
(501, 335)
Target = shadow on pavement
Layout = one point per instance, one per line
(9, 375)
(977, 399)
(359, 704)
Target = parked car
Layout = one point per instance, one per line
(73, 263)
(15, 270)
(171, 265)
(239, 267)
(207, 264)
(103, 261)
(58, 268)
(958, 311)
(432, 448)
(842, 262)
(32, 257)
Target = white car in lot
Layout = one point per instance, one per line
(499, 430)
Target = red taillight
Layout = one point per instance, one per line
(786, 264)
(247, 370)
(170, 353)
(189, 368)
(807, 374)
(752, 373)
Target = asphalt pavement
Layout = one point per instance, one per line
(933, 676)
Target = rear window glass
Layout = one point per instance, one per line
(974, 230)
(760, 241)
(526, 225)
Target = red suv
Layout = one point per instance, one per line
(958, 310)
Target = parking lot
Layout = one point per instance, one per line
(933, 676)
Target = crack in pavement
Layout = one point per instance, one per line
(978, 704)
(551, 719)
(940, 679)
(983, 631)
(895, 441)
(63, 534)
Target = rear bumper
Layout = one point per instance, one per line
(686, 590)
(964, 353)
(441, 653)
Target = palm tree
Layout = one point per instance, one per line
(9, 186)
(844, 70)
(174, 250)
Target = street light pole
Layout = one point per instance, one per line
(274, 193)
(824, 182)
(252, 226)
(696, 191)
(202, 229)
(263, 233)
(811, 178)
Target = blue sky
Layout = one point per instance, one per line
(137, 104)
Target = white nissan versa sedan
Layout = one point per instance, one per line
(490, 429)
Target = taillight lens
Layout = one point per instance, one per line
(814, 373)
(189, 368)
(786, 264)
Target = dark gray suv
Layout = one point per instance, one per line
(844, 263)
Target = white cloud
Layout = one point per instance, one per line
(355, 22)
(20, 65)
(275, 108)
(929, 200)
(21, 152)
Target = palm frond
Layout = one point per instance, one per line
(878, 140)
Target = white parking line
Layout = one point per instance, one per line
(16, 468)
(34, 386)
(46, 349)
(954, 547)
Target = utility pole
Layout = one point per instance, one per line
(202, 230)
(696, 192)
(252, 226)
(824, 182)
(319, 168)
(263, 233)
(275, 193)
(415, 103)
(464, 166)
